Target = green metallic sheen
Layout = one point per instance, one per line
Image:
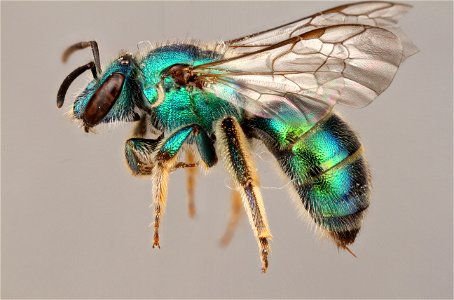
(206, 148)
(325, 149)
(326, 169)
(286, 129)
(182, 105)
(173, 144)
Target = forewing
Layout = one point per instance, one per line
(372, 13)
(350, 64)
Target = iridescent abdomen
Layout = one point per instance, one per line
(327, 169)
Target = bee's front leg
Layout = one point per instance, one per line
(236, 152)
(139, 154)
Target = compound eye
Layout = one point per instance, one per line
(103, 99)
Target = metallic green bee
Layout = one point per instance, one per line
(278, 87)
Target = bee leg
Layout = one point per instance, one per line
(165, 162)
(139, 154)
(183, 165)
(205, 147)
(234, 146)
(140, 129)
(191, 174)
(209, 158)
(234, 218)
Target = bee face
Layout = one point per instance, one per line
(109, 98)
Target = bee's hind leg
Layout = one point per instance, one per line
(238, 161)
(235, 214)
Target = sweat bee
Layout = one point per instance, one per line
(277, 87)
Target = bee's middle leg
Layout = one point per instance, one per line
(165, 162)
(190, 183)
(208, 157)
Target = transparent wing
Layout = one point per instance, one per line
(372, 13)
(350, 64)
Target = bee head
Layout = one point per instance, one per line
(109, 97)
